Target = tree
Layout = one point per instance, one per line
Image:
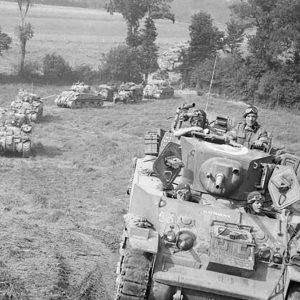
(135, 10)
(5, 41)
(24, 31)
(206, 39)
(235, 37)
(148, 48)
(277, 29)
(122, 63)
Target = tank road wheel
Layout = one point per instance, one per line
(26, 151)
(293, 293)
(133, 274)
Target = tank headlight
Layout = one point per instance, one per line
(170, 236)
(185, 241)
(277, 258)
(265, 254)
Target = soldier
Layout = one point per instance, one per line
(248, 133)
(255, 203)
(183, 192)
(198, 122)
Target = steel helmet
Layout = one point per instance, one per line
(250, 110)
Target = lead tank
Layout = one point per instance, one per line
(214, 245)
(80, 95)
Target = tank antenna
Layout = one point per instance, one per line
(211, 82)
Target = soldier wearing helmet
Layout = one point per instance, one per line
(199, 119)
(198, 122)
(249, 133)
(183, 192)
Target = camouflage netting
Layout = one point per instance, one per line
(29, 104)
(81, 87)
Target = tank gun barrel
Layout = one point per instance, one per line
(220, 177)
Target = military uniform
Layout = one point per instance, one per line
(246, 135)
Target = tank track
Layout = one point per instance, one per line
(133, 274)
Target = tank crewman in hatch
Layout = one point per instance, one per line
(198, 122)
(248, 133)
(183, 192)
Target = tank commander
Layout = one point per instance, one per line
(183, 192)
(248, 133)
(198, 122)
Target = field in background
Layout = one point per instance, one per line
(61, 211)
(79, 35)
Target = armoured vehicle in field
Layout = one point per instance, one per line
(80, 95)
(15, 135)
(158, 90)
(129, 92)
(107, 91)
(28, 104)
(213, 244)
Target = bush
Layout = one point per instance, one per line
(122, 64)
(55, 67)
(86, 74)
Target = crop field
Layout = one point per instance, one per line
(62, 209)
(79, 35)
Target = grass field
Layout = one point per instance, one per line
(79, 35)
(61, 210)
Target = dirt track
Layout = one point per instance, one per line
(61, 210)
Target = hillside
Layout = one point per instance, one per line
(80, 35)
(183, 9)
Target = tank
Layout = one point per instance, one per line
(158, 91)
(192, 230)
(107, 91)
(80, 95)
(129, 92)
(29, 104)
(15, 134)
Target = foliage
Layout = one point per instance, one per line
(55, 67)
(205, 40)
(235, 36)
(5, 41)
(122, 63)
(24, 31)
(135, 10)
(148, 49)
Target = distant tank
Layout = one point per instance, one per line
(80, 95)
(28, 104)
(129, 93)
(15, 135)
(207, 220)
(107, 91)
(158, 91)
